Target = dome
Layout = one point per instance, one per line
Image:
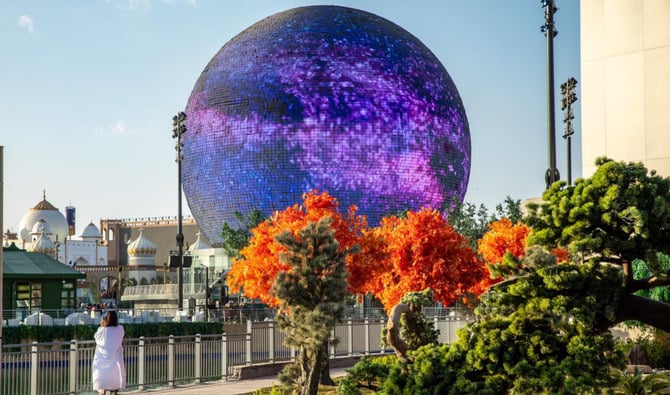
(50, 214)
(44, 245)
(41, 227)
(199, 244)
(90, 232)
(324, 98)
(141, 246)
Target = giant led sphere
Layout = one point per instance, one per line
(328, 98)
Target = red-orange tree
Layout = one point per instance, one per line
(501, 238)
(259, 266)
(504, 237)
(420, 251)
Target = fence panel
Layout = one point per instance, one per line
(132, 361)
(236, 352)
(211, 357)
(184, 359)
(15, 371)
(84, 367)
(261, 341)
(156, 360)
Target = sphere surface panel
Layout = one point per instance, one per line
(327, 98)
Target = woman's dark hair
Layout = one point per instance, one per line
(112, 318)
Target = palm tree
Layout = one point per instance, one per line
(637, 383)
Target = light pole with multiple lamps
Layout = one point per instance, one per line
(568, 97)
(178, 129)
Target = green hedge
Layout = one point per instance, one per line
(46, 334)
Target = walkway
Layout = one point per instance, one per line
(233, 387)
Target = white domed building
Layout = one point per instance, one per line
(204, 255)
(88, 251)
(46, 212)
(142, 259)
(45, 229)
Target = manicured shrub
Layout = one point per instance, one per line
(46, 334)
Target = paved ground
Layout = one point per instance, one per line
(226, 387)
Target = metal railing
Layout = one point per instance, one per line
(65, 367)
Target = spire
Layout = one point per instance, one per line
(44, 204)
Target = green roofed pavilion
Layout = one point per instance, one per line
(33, 281)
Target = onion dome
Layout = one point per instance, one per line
(44, 245)
(41, 227)
(91, 232)
(141, 246)
(199, 244)
(47, 212)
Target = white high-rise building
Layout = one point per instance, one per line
(625, 82)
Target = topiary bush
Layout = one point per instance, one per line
(368, 372)
(538, 333)
(46, 334)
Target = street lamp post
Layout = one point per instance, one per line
(206, 287)
(119, 290)
(178, 129)
(550, 32)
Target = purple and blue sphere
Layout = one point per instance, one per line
(327, 98)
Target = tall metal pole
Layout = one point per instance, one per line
(179, 128)
(2, 203)
(207, 293)
(568, 97)
(550, 32)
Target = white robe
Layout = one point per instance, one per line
(109, 372)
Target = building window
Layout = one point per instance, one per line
(67, 296)
(29, 295)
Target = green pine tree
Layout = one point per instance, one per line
(312, 292)
(235, 239)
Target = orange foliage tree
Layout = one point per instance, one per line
(259, 266)
(501, 238)
(504, 237)
(419, 251)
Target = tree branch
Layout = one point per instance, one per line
(651, 312)
(648, 283)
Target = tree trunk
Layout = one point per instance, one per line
(651, 312)
(325, 368)
(313, 372)
(393, 330)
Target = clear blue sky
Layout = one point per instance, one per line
(88, 90)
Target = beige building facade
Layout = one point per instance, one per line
(625, 82)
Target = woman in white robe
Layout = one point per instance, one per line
(109, 371)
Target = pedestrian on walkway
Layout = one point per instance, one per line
(109, 371)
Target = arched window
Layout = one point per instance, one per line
(81, 261)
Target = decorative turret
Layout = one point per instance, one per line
(44, 245)
(198, 244)
(91, 232)
(40, 227)
(141, 247)
(141, 259)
